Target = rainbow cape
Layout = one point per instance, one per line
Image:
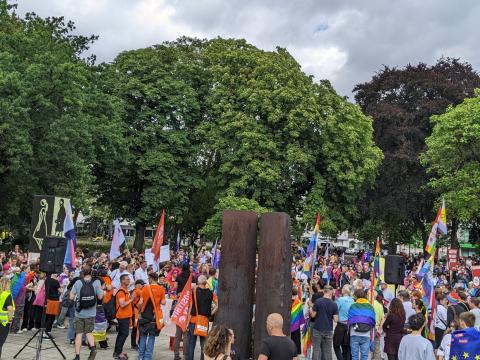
(297, 316)
(362, 312)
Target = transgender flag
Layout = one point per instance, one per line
(71, 236)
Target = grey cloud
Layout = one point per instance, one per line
(344, 41)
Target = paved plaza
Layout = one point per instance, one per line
(16, 341)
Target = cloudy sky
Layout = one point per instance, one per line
(343, 41)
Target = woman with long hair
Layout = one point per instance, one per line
(219, 343)
(7, 307)
(393, 328)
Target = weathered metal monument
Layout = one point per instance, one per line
(245, 284)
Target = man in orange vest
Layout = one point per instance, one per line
(150, 316)
(123, 305)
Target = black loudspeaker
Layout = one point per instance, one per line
(52, 254)
(394, 269)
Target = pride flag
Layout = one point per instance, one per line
(307, 337)
(71, 236)
(309, 263)
(440, 224)
(117, 240)
(442, 219)
(376, 261)
(427, 266)
(298, 318)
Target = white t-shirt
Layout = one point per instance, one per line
(415, 347)
(141, 274)
(476, 312)
(441, 317)
(115, 276)
(444, 349)
(409, 311)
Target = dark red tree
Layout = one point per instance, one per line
(401, 101)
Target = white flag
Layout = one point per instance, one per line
(117, 241)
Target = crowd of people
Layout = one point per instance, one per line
(100, 296)
(358, 319)
(347, 317)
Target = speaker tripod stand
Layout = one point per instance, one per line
(40, 333)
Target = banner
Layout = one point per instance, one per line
(476, 275)
(180, 313)
(48, 217)
(452, 256)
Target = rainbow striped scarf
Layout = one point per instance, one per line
(297, 315)
(361, 312)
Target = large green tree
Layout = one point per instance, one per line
(278, 138)
(222, 123)
(453, 159)
(56, 127)
(160, 112)
(401, 102)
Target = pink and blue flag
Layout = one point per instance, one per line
(71, 236)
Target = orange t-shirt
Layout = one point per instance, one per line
(138, 293)
(125, 312)
(108, 293)
(158, 294)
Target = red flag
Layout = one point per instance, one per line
(180, 313)
(158, 240)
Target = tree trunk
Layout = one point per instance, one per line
(453, 234)
(139, 236)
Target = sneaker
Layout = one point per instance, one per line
(92, 354)
(34, 329)
(61, 326)
(25, 330)
(45, 336)
(19, 332)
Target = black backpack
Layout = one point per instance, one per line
(87, 297)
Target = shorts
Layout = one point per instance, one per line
(83, 326)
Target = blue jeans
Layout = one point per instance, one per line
(192, 341)
(360, 344)
(145, 346)
(70, 331)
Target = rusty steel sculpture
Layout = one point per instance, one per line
(244, 283)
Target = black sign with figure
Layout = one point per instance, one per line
(48, 216)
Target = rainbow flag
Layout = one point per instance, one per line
(440, 224)
(298, 319)
(307, 337)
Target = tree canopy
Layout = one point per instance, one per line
(56, 125)
(237, 125)
(192, 126)
(401, 102)
(453, 159)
